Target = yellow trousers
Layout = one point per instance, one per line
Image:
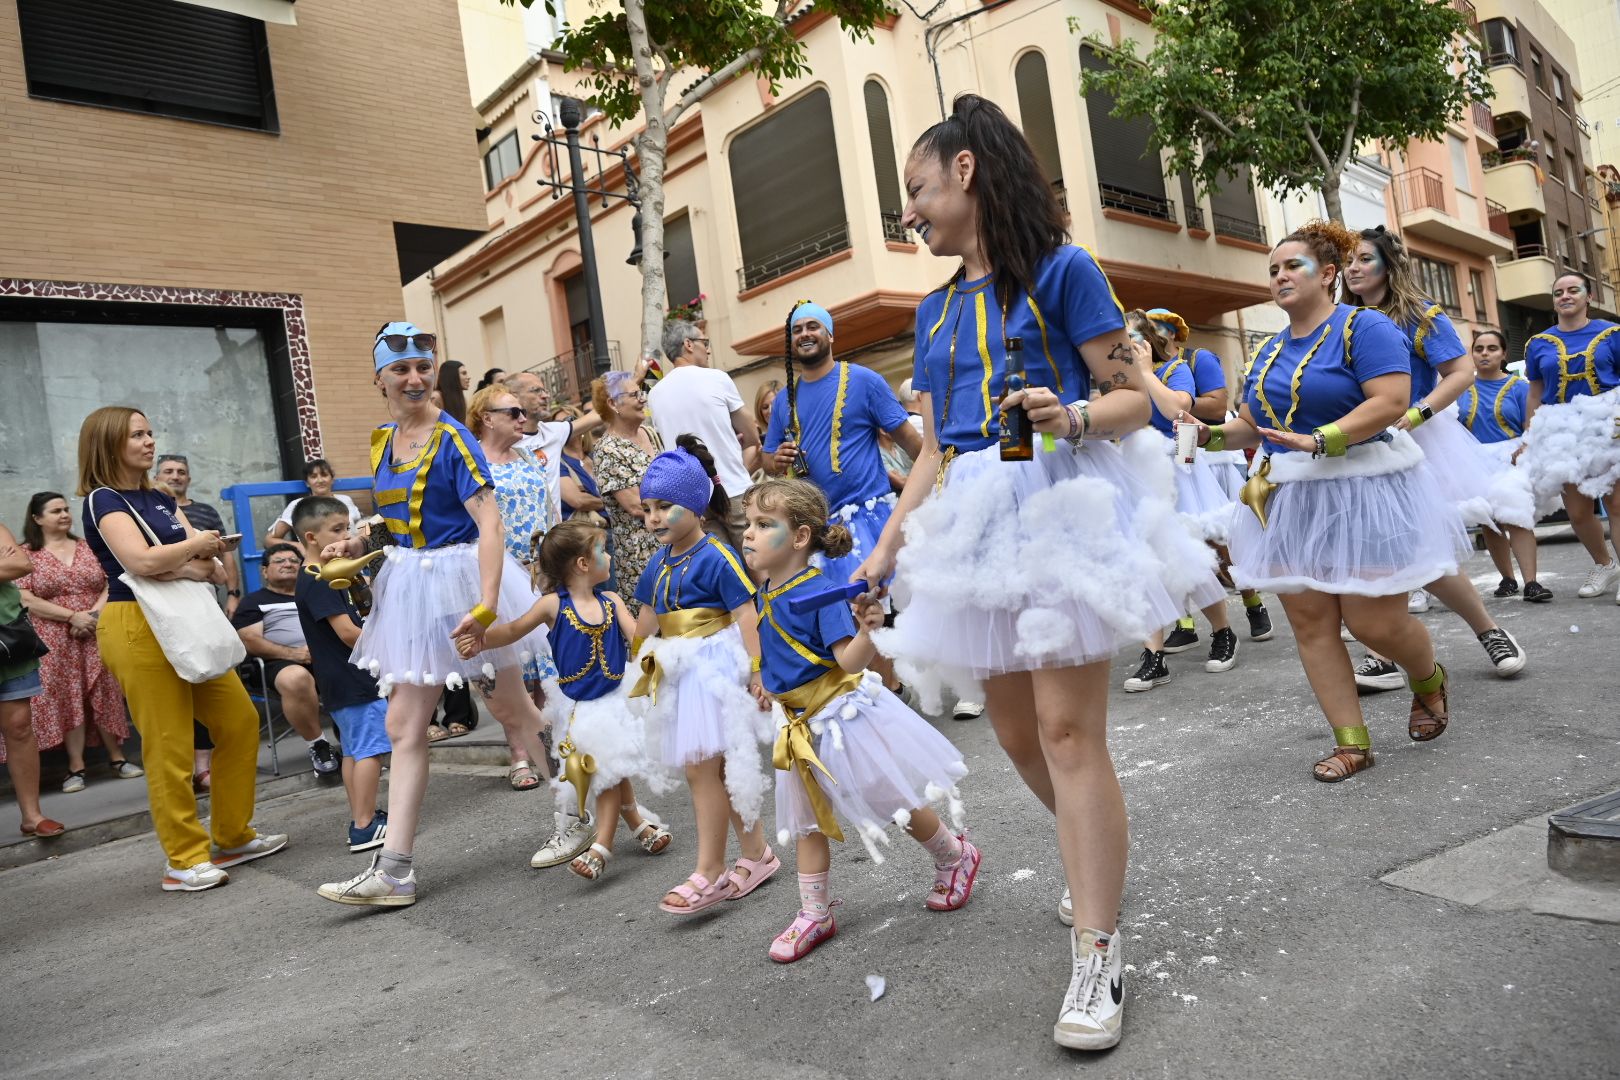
(162, 705)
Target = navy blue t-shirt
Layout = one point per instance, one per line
(156, 508)
(340, 683)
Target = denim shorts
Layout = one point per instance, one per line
(22, 687)
(364, 728)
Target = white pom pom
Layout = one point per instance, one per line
(454, 681)
(429, 679)
(837, 731)
(902, 818)
(817, 727)
(848, 712)
(489, 670)
(427, 561)
(1043, 631)
(409, 677)
(374, 666)
(871, 836)
(933, 792)
(782, 837)
(958, 812)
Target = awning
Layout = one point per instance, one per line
(270, 11)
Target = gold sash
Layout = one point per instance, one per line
(698, 622)
(795, 750)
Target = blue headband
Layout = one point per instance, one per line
(812, 310)
(382, 355)
(675, 476)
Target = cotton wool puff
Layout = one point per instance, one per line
(1042, 631)
(1573, 443)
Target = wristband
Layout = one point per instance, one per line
(1415, 417)
(1217, 438)
(1334, 443)
(1079, 423)
(483, 616)
(753, 665)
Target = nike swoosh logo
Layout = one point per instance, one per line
(1117, 989)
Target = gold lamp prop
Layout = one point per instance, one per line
(577, 769)
(344, 575)
(1257, 491)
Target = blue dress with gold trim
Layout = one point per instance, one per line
(1574, 435)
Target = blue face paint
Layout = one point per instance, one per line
(1309, 265)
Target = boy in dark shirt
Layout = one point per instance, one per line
(331, 627)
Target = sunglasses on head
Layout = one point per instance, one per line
(397, 342)
(516, 412)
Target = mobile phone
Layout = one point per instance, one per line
(230, 540)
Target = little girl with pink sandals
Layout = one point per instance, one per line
(848, 747)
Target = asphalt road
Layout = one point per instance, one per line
(1261, 941)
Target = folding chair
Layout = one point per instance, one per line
(268, 702)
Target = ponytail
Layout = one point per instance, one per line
(719, 502)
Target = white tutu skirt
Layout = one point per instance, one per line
(1481, 485)
(1054, 562)
(1230, 469)
(865, 523)
(420, 595)
(1574, 443)
(1202, 497)
(611, 732)
(704, 710)
(887, 761)
(1372, 523)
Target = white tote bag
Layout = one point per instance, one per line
(185, 618)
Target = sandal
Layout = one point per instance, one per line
(759, 872)
(44, 828)
(591, 864)
(655, 842)
(954, 884)
(456, 730)
(801, 937)
(522, 776)
(1343, 763)
(698, 893)
(1429, 716)
(201, 782)
(436, 732)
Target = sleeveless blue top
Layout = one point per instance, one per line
(590, 656)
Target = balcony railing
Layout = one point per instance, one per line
(1419, 189)
(1482, 118)
(1502, 59)
(1496, 216)
(567, 376)
(1492, 158)
(810, 249)
(1612, 191)
(1135, 202)
(893, 231)
(1528, 251)
(1237, 228)
(1195, 216)
(1580, 122)
(1467, 9)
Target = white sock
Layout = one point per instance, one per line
(316, 739)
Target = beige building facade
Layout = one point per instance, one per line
(219, 245)
(775, 198)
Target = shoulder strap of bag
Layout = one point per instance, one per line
(151, 537)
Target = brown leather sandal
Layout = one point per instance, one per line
(1342, 764)
(1429, 716)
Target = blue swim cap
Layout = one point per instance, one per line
(675, 476)
(809, 309)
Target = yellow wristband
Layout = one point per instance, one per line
(753, 665)
(484, 616)
(1334, 441)
(1217, 439)
(1414, 417)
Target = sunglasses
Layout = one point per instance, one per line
(516, 412)
(396, 342)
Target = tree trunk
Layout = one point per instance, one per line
(1330, 196)
(651, 146)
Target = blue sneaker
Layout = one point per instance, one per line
(370, 835)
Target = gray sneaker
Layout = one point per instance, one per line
(205, 875)
(373, 888)
(256, 848)
(572, 836)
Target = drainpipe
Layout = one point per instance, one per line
(931, 43)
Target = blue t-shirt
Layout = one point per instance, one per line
(1073, 303)
(708, 575)
(1329, 385)
(341, 684)
(572, 466)
(795, 649)
(1208, 374)
(1433, 341)
(1175, 375)
(156, 508)
(590, 656)
(840, 415)
(1493, 409)
(1568, 362)
(421, 499)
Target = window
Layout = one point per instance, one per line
(1558, 87)
(1438, 280)
(1566, 245)
(1574, 171)
(1555, 167)
(1035, 111)
(1476, 293)
(1130, 175)
(1233, 207)
(1501, 42)
(1459, 164)
(504, 159)
(881, 132)
(790, 199)
(1189, 203)
(680, 261)
(150, 56)
(1538, 74)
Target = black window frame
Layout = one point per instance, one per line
(1505, 35)
(492, 155)
(1438, 281)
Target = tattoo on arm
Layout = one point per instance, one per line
(1121, 354)
(481, 496)
(1114, 382)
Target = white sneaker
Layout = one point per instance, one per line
(205, 875)
(1345, 634)
(967, 710)
(1066, 908)
(573, 836)
(1095, 1002)
(256, 848)
(373, 888)
(1600, 580)
(1418, 602)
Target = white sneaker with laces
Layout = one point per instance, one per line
(256, 848)
(1600, 580)
(1418, 602)
(967, 710)
(373, 888)
(1066, 908)
(572, 837)
(1095, 1002)
(205, 875)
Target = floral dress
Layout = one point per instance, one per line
(620, 464)
(77, 687)
(525, 504)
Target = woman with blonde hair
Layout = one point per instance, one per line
(137, 530)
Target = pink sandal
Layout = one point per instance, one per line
(698, 893)
(953, 885)
(759, 872)
(801, 937)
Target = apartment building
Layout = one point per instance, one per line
(771, 198)
(1594, 27)
(209, 207)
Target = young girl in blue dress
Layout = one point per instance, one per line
(1493, 410)
(706, 712)
(848, 747)
(587, 700)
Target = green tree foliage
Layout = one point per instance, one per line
(1291, 88)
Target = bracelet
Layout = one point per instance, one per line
(483, 616)
(1074, 422)
(1332, 440)
(1415, 417)
(1079, 423)
(1217, 438)
(1321, 443)
(753, 665)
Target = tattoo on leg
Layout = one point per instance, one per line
(486, 686)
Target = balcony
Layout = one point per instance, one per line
(1136, 202)
(1484, 124)
(1496, 216)
(1516, 186)
(893, 231)
(1195, 216)
(1512, 88)
(1526, 277)
(796, 257)
(1238, 228)
(1420, 204)
(567, 376)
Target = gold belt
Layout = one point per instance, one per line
(682, 623)
(796, 751)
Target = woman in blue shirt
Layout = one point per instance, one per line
(446, 575)
(1493, 411)
(1480, 486)
(1030, 575)
(1342, 520)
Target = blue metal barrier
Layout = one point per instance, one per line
(241, 497)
